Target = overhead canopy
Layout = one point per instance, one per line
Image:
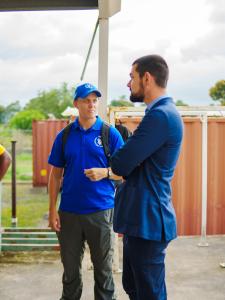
(14, 5)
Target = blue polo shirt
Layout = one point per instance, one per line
(84, 150)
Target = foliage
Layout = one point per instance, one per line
(217, 92)
(180, 103)
(53, 102)
(9, 111)
(2, 110)
(23, 119)
(121, 101)
(22, 137)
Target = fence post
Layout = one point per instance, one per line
(204, 119)
(14, 218)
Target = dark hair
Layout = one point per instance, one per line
(156, 66)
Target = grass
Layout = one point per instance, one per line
(29, 214)
(32, 206)
(23, 140)
(32, 203)
(23, 168)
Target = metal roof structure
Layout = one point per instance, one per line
(24, 5)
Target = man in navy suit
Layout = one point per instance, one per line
(144, 211)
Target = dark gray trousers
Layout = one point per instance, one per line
(96, 229)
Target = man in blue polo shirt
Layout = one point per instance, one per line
(144, 211)
(87, 198)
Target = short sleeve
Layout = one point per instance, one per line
(56, 157)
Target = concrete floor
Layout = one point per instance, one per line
(193, 273)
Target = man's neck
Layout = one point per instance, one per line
(154, 95)
(86, 123)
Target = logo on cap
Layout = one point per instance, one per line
(89, 86)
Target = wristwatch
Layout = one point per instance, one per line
(109, 174)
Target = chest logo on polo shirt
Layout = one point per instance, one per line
(98, 141)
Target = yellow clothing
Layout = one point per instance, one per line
(2, 149)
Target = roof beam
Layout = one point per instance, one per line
(26, 5)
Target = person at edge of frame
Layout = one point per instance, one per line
(5, 161)
(144, 212)
(87, 197)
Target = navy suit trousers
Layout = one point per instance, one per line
(144, 268)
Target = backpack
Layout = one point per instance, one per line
(124, 131)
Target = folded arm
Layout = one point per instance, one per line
(150, 135)
(96, 174)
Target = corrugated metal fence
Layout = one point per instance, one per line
(187, 182)
(44, 133)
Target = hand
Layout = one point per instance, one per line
(96, 174)
(54, 220)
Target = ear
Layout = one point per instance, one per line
(148, 78)
(75, 104)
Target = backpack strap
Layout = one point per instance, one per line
(104, 136)
(105, 139)
(65, 134)
(124, 131)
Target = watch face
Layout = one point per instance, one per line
(109, 172)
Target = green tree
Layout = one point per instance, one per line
(217, 92)
(121, 101)
(7, 112)
(54, 101)
(23, 119)
(2, 110)
(180, 103)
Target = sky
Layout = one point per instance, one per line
(41, 50)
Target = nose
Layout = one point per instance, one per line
(91, 104)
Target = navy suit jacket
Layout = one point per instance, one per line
(143, 206)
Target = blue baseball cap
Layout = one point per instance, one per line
(83, 90)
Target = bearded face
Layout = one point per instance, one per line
(136, 86)
(137, 96)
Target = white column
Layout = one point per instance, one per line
(203, 242)
(103, 66)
